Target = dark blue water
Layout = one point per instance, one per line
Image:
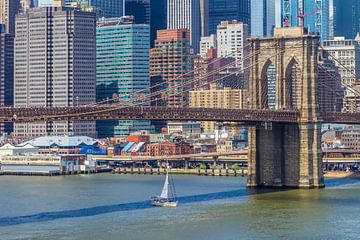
(117, 207)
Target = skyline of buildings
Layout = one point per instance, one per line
(172, 55)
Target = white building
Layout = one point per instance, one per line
(10, 150)
(207, 43)
(185, 14)
(232, 41)
(186, 128)
(347, 55)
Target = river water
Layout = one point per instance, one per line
(109, 206)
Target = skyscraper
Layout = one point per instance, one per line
(140, 9)
(122, 69)
(169, 61)
(227, 10)
(6, 73)
(313, 15)
(158, 18)
(185, 14)
(8, 10)
(262, 18)
(109, 8)
(346, 18)
(57, 69)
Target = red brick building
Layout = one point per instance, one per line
(170, 59)
(168, 148)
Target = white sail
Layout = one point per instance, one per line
(165, 190)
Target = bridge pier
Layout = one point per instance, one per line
(285, 156)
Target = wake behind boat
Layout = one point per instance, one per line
(167, 196)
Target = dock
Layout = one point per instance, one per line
(199, 172)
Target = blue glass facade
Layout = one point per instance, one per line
(262, 18)
(228, 10)
(347, 18)
(109, 8)
(122, 69)
(316, 13)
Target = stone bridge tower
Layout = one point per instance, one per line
(283, 76)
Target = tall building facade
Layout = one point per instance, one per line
(316, 15)
(232, 41)
(346, 18)
(170, 60)
(140, 9)
(158, 18)
(122, 69)
(8, 10)
(185, 14)
(347, 52)
(109, 8)
(227, 10)
(262, 18)
(57, 69)
(6, 74)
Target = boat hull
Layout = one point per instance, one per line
(163, 202)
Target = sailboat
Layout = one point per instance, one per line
(167, 196)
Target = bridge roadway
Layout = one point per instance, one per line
(241, 156)
(114, 112)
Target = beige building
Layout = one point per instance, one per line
(346, 52)
(217, 98)
(55, 66)
(352, 100)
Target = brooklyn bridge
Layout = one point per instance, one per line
(286, 154)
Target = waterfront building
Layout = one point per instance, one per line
(206, 43)
(61, 144)
(227, 10)
(346, 52)
(216, 97)
(346, 18)
(122, 69)
(168, 148)
(316, 15)
(350, 139)
(55, 70)
(185, 14)
(262, 18)
(8, 10)
(6, 74)
(170, 59)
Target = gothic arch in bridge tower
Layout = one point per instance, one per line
(292, 84)
(268, 85)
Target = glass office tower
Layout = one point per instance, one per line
(122, 66)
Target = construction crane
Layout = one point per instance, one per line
(301, 17)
